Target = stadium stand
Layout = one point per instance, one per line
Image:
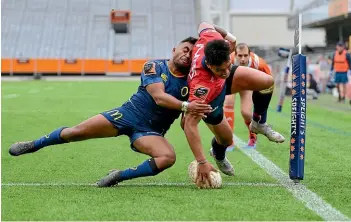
(76, 36)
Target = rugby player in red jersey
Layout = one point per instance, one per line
(211, 78)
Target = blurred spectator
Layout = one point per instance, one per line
(341, 64)
(348, 90)
(324, 69)
(347, 46)
(314, 69)
(312, 87)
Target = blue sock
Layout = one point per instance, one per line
(147, 168)
(51, 139)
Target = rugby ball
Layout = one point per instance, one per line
(215, 177)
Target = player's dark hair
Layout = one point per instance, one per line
(217, 52)
(190, 39)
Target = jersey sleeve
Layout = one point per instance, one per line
(263, 66)
(151, 73)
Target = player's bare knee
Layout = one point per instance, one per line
(228, 141)
(66, 134)
(166, 160)
(170, 158)
(267, 86)
(72, 134)
(225, 140)
(269, 82)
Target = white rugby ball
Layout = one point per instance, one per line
(215, 177)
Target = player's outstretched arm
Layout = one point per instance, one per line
(157, 91)
(161, 98)
(151, 79)
(193, 136)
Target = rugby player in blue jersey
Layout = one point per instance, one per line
(145, 118)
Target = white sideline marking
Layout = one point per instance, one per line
(9, 96)
(300, 192)
(177, 184)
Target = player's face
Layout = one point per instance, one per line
(221, 71)
(243, 56)
(182, 54)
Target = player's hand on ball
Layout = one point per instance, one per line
(199, 108)
(203, 175)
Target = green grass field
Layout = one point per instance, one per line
(33, 108)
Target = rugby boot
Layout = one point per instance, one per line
(20, 148)
(223, 165)
(266, 130)
(111, 179)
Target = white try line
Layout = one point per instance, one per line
(161, 184)
(300, 192)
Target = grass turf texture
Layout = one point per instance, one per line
(40, 107)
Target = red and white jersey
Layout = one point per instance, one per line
(203, 84)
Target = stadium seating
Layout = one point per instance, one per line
(75, 36)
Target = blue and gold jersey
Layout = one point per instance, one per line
(143, 105)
